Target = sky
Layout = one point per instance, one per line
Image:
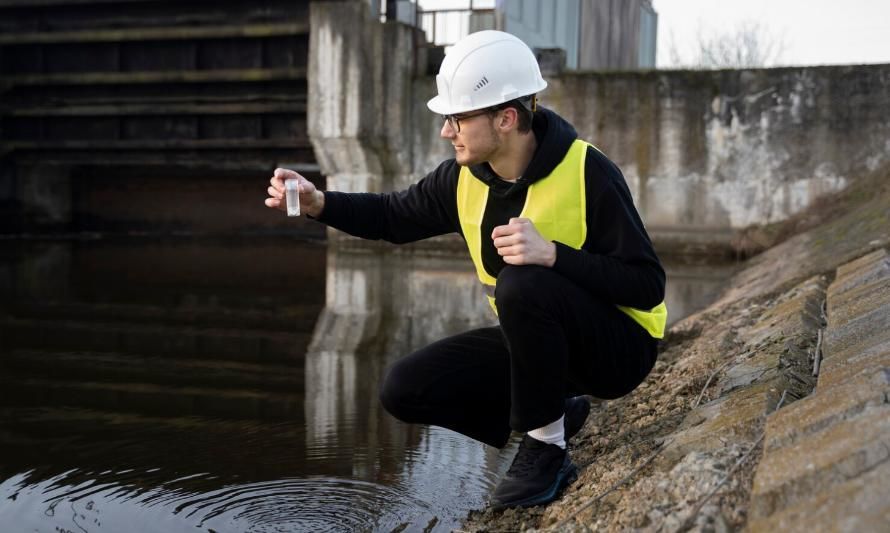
(813, 32)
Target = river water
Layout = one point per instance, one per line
(201, 385)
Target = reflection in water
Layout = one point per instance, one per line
(169, 386)
(380, 307)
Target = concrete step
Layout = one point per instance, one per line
(805, 418)
(820, 454)
(841, 368)
(839, 453)
(859, 504)
(292, 318)
(170, 33)
(172, 371)
(159, 340)
(867, 333)
(772, 360)
(858, 300)
(154, 400)
(867, 269)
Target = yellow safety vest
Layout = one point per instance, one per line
(557, 206)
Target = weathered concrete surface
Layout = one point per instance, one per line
(768, 363)
(705, 153)
(360, 105)
(849, 507)
(840, 435)
(725, 149)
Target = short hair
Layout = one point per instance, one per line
(524, 107)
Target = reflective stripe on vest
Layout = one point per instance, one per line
(557, 206)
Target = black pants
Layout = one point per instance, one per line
(554, 341)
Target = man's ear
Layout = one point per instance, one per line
(509, 118)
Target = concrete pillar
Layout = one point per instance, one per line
(360, 96)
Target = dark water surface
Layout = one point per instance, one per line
(198, 386)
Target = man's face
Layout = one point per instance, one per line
(476, 142)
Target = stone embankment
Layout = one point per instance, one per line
(826, 460)
(769, 410)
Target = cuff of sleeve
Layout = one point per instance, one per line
(561, 251)
(566, 260)
(329, 201)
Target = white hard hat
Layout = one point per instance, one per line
(485, 69)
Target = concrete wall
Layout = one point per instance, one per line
(720, 150)
(705, 153)
(709, 152)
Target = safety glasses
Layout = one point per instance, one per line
(530, 103)
(454, 120)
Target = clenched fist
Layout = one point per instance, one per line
(519, 243)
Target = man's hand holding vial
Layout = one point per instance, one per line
(289, 190)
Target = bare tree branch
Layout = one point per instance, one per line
(751, 44)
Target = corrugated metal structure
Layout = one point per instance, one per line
(595, 34)
(612, 36)
(545, 24)
(163, 85)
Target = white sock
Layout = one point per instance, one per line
(552, 433)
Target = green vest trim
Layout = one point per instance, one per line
(557, 205)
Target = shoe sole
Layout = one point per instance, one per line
(568, 473)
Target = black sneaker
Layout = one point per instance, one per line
(536, 476)
(577, 409)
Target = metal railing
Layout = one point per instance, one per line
(444, 27)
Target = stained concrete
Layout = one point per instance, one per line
(705, 153)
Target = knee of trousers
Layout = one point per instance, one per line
(519, 287)
(396, 394)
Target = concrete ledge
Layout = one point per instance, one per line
(859, 300)
(864, 270)
(840, 369)
(816, 412)
(792, 313)
(733, 418)
(835, 455)
(821, 453)
(858, 334)
(775, 350)
(860, 504)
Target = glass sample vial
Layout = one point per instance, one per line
(293, 198)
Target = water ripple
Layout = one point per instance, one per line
(314, 504)
(320, 504)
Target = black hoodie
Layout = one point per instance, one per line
(616, 263)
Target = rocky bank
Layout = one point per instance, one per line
(767, 410)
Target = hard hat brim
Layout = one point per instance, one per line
(441, 106)
(438, 105)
